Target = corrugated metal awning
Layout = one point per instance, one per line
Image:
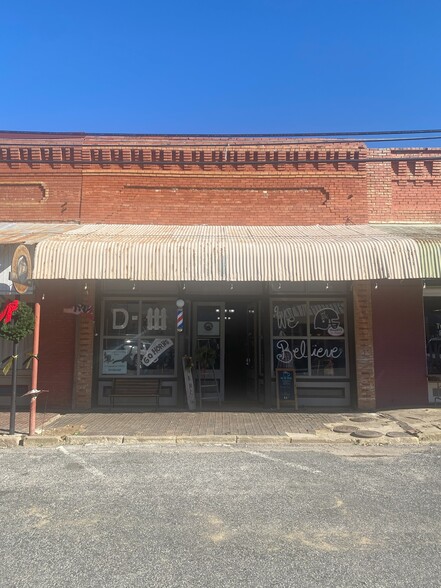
(31, 233)
(232, 253)
(13, 234)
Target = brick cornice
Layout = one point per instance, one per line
(254, 158)
(163, 154)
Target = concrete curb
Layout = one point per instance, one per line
(8, 441)
(35, 441)
(149, 439)
(264, 439)
(93, 439)
(387, 441)
(430, 437)
(322, 437)
(207, 439)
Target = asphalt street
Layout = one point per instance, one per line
(178, 516)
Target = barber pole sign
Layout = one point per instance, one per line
(179, 316)
(180, 320)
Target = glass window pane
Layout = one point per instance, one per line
(157, 356)
(158, 318)
(208, 313)
(208, 321)
(310, 336)
(120, 356)
(327, 318)
(328, 357)
(207, 353)
(121, 318)
(432, 314)
(289, 319)
(129, 354)
(291, 353)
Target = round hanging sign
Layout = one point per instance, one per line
(21, 269)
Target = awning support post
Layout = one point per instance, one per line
(33, 402)
(14, 389)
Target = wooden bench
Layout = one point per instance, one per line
(436, 392)
(135, 388)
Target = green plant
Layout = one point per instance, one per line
(21, 326)
(205, 357)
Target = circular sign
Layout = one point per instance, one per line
(21, 269)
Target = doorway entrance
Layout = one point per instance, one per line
(240, 352)
(230, 330)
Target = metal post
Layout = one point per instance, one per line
(14, 389)
(33, 402)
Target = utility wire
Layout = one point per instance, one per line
(240, 135)
(222, 146)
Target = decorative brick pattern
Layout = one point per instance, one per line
(364, 346)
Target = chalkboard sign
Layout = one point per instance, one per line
(286, 387)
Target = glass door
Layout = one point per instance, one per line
(208, 347)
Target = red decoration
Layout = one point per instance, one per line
(8, 311)
(78, 309)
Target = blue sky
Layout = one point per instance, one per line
(239, 66)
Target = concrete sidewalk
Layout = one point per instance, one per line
(22, 421)
(228, 426)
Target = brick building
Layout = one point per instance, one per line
(322, 257)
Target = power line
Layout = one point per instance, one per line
(236, 135)
(218, 145)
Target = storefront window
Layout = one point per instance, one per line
(432, 314)
(138, 338)
(310, 336)
(289, 319)
(121, 318)
(291, 353)
(326, 319)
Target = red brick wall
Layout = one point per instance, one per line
(224, 199)
(57, 343)
(399, 344)
(40, 195)
(416, 202)
(168, 180)
(404, 191)
(153, 180)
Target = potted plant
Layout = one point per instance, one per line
(205, 357)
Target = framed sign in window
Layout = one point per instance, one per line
(286, 387)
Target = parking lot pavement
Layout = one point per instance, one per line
(220, 516)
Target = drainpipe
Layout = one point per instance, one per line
(33, 402)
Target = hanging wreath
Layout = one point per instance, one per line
(22, 323)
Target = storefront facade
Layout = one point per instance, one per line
(281, 257)
(308, 330)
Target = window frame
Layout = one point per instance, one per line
(309, 337)
(140, 337)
